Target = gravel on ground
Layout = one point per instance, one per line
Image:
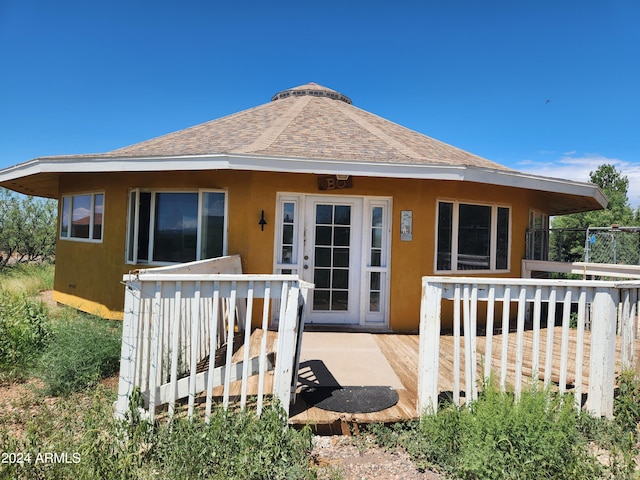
(357, 458)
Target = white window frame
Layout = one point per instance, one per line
(382, 315)
(298, 232)
(542, 237)
(69, 214)
(493, 241)
(133, 213)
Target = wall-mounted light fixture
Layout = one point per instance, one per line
(342, 177)
(262, 221)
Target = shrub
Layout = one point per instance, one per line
(24, 333)
(537, 437)
(626, 404)
(82, 351)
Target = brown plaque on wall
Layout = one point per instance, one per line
(332, 182)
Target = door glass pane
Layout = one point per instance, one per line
(288, 212)
(288, 233)
(323, 235)
(376, 217)
(321, 299)
(341, 257)
(324, 214)
(375, 281)
(321, 278)
(340, 279)
(287, 254)
(374, 302)
(340, 300)
(323, 257)
(342, 215)
(376, 237)
(341, 236)
(374, 291)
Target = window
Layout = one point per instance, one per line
(538, 236)
(472, 237)
(176, 227)
(81, 217)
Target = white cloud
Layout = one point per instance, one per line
(578, 168)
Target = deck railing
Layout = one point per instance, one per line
(565, 335)
(180, 329)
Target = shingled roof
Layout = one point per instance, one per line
(305, 129)
(309, 121)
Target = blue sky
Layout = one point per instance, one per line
(541, 86)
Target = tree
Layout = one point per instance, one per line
(618, 211)
(27, 227)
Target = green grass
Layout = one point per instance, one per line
(28, 279)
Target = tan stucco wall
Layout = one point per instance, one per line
(88, 275)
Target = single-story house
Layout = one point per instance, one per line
(307, 184)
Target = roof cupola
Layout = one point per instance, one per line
(313, 90)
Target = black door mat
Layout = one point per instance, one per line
(350, 399)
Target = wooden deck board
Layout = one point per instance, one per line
(401, 351)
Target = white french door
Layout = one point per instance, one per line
(331, 258)
(342, 245)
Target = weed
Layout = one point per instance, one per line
(496, 437)
(82, 351)
(24, 332)
(626, 405)
(233, 444)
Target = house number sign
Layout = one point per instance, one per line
(332, 182)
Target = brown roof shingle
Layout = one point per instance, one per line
(311, 122)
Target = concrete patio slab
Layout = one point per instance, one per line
(346, 359)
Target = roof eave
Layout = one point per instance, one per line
(53, 166)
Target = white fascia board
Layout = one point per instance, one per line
(101, 164)
(509, 178)
(534, 182)
(341, 167)
(88, 164)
